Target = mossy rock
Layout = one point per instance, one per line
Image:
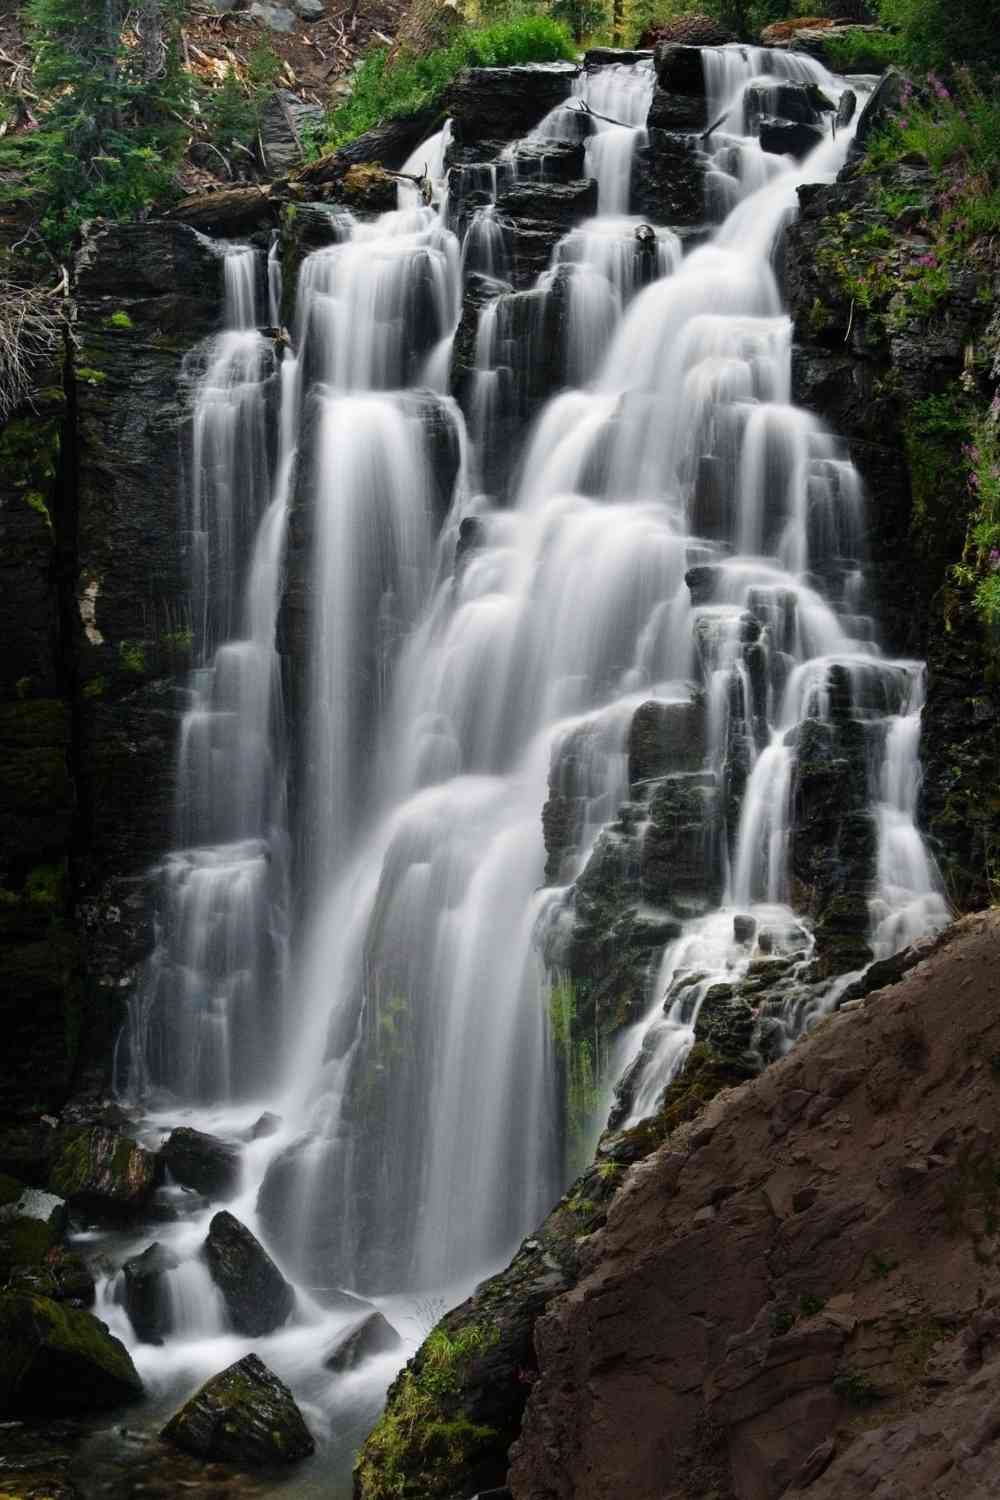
(245, 1416)
(103, 1172)
(56, 1360)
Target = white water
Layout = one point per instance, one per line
(401, 1029)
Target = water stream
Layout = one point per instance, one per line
(351, 925)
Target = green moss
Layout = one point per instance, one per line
(36, 500)
(90, 376)
(423, 1445)
(45, 885)
(132, 655)
(95, 687)
(120, 320)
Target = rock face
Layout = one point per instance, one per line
(56, 1360)
(102, 1172)
(257, 1296)
(502, 104)
(244, 1416)
(798, 1289)
(888, 377)
(203, 1162)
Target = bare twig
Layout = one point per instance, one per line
(31, 327)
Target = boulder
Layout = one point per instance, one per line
(102, 1172)
(602, 57)
(388, 145)
(310, 10)
(373, 1335)
(257, 1296)
(503, 104)
(204, 1162)
(244, 1416)
(267, 1125)
(146, 1300)
(272, 17)
(57, 1360)
(846, 107)
(881, 108)
(283, 118)
(789, 138)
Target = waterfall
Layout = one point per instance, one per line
(358, 925)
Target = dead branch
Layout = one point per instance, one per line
(31, 329)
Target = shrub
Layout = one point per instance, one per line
(940, 33)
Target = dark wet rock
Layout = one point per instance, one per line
(204, 1162)
(257, 1296)
(680, 860)
(102, 1172)
(846, 107)
(373, 1335)
(283, 120)
(679, 69)
(670, 111)
(55, 1359)
(725, 1022)
(666, 737)
(668, 179)
(146, 1300)
(744, 928)
(555, 161)
(244, 1416)
(471, 539)
(63, 1276)
(789, 138)
(268, 1124)
(602, 57)
(833, 843)
(539, 214)
(799, 103)
(503, 104)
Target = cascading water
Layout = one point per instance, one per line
(676, 533)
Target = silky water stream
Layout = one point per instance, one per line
(360, 947)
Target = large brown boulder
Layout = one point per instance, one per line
(102, 1172)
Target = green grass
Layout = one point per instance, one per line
(381, 92)
(856, 51)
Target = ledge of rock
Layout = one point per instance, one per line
(244, 1416)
